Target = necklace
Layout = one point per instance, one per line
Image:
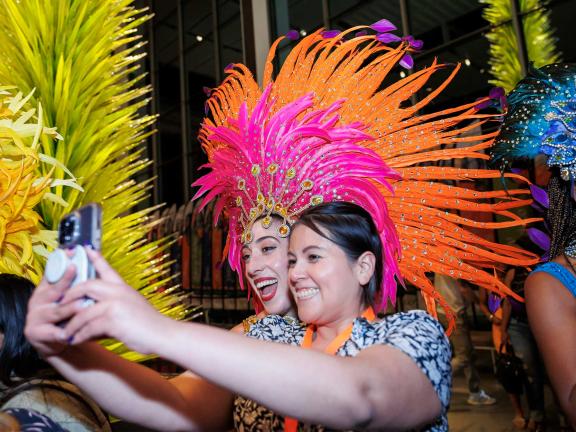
(291, 424)
(567, 258)
(570, 250)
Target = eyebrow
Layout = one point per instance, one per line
(261, 239)
(307, 248)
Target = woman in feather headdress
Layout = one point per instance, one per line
(541, 119)
(321, 142)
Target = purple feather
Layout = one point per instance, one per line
(496, 93)
(388, 37)
(407, 62)
(485, 104)
(361, 33)
(493, 303)
(383, 26)
(540, 196)
(329, 34)
(417, 44)
(539, 238)
(293, 35)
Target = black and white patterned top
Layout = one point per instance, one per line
(415, 333)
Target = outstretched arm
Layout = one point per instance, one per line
(125, 389)
(370, 390)
(552, 315)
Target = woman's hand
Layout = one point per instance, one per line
(120, 312)
(42, 327)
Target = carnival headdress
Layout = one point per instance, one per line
(541, 119)
(280, 164)
(326, 68)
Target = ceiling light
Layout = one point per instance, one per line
(402, 74)
(199, 38)
(303, 32)
(467, 62)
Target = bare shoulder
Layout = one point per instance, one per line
(544, 291)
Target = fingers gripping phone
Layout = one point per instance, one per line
(82, 227)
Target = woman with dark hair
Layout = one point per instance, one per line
(541, 120)
(18, 359)
(275, 153)
(29, 385)
(358, 371)
(550, 292)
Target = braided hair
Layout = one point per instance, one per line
(561, 214)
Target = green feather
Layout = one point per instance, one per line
(83, 59)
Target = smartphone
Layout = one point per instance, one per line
(82, 227)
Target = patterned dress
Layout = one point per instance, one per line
(415, 333)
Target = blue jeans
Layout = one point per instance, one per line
(525, 349)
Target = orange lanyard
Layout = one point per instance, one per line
(291, 424)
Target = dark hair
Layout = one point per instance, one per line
(17, 356)
(561, 214)
(352, 228)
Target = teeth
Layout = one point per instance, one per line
(306, 293)
(262, 284)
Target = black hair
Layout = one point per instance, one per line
(351, 228)
(561, 214)
(17, 356)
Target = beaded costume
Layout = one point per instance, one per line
(541, 119)
(327, 108)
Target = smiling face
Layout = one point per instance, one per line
(266, 266)
(325, 283)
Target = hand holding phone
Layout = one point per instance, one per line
(80, 228)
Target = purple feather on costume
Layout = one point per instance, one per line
(496, 93)
(540, 196)
(329, 34)
(484, 104)
(383, 26)
(493, 303)
(387, 38)
(417, 44)
(407, 62)
(293, 35)
(539, 238)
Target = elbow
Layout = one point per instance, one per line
(361, 411)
